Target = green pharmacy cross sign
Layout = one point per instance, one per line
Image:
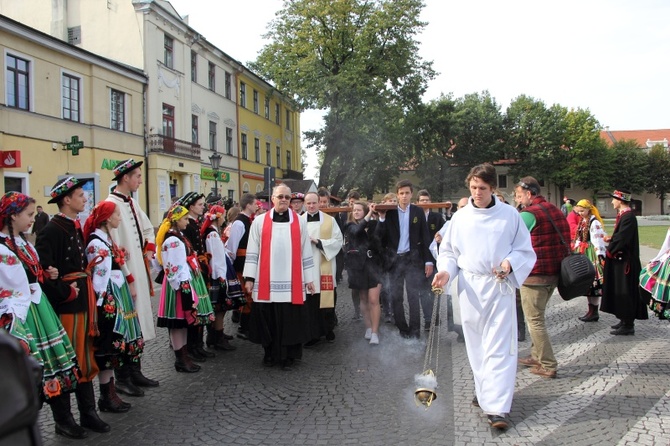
(74, 145)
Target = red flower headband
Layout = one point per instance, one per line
(13, 203)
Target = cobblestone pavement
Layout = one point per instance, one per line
(609, 391)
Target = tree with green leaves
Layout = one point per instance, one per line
(629, 164)
(658, 173)
(352, 58)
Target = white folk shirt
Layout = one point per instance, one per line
(127, 236)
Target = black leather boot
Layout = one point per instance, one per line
(221, 343)
(183, 362)
(138, 378)
(124, 382)
(191, 344)
(592, 315)
(627, 328)
(87, 415)
(200, 345)
(109, 401)
(65, 423)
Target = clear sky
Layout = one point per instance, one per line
(610, 56)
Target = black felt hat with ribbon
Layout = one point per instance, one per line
(125, 167)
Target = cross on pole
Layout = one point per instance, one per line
(74, 145)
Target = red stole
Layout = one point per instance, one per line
(266, 259)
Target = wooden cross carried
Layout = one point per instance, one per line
(388, 207)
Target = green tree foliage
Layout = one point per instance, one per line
(628, 166)
(355, 58)
(451, 136)
(658, 173)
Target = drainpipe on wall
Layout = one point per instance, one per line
(146, 145)
(238, 70)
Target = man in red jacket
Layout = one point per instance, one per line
(544, 221)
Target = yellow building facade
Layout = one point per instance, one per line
(269, 133)
(53, 94)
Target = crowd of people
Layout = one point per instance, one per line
(79, 298)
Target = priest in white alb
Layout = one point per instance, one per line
(326, 240)
(135, 234)
(277, 270)
(488, 247)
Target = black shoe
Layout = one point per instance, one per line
(195, 355)
(91, 420)
(475, 401)
(71, 429)
(286, 365)
(498, 422)
(204, 352)
(624, 330)
(138, 378)
(617, 325)
(312, 343)
(126, 387)
(330, 336)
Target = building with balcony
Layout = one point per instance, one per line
(54, 95)
(190, 108)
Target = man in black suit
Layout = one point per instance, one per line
(405, 232)
(435, 221)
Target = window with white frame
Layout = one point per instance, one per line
(288, 119)
(229, 141)
(118, 110)
(228, 82)
(257, 149)
(18, 82)
(268, 154)
(194, 129)
(277, 117)
(212, 135)
(502, 181)
(194, 66)
(70, 97)
(288, 159)
(256, 101)
(278, 157)
(168, 51)
(212, 76)
(267, 107)
(245, 149)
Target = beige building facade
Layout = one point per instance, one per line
(53, 94)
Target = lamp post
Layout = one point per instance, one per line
(215, 161)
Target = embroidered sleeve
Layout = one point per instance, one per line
(174, 262)
(102, 271)
(14, 287)
(597, 234)
(217, 263)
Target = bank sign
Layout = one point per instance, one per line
(208, 174)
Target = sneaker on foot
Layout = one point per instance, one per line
(374, 339)
(368, 333)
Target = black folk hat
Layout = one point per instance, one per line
(125, 167)
(623, 195)
(64, 187)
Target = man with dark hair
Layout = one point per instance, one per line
(405, 232)
(236, 246)
(136, 235)
(435, 221)
(621, 290)
(41, 220)
(543, 220)
(61, 244)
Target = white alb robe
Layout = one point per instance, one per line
(330, 247)
(127, 236)
(477, 240)
(280, 262)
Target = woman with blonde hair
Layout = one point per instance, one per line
(184, 297)
(590, 240)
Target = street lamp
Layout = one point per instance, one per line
(215, 161)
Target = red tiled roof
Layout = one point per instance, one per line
(641, 136)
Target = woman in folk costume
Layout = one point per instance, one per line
(590, 240)
(655, 278)
(226, 291)
(488, 247)
(25, 312)
(362, 261)
(184, 298)
(118, 323)
(194, 202)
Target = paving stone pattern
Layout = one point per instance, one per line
(609, 391)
